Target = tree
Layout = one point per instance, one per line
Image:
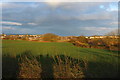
(113, 33)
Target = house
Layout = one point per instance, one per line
(2, 36)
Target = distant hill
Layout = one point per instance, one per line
(49, 37)
(49, 34)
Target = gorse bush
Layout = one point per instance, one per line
(68, 67)
(29, 67)
(45, 66)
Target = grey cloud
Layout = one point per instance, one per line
(65, 19)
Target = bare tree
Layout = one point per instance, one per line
(114, 33)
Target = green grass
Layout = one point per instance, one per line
(101, 63)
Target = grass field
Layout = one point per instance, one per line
(101, 63)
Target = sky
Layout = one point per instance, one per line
(61, 18)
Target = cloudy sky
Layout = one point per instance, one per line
(61, 18)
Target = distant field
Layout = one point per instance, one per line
(101, 63)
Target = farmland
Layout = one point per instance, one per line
(100, 63)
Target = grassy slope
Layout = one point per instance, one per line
(101, 63)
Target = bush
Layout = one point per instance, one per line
(45, 67)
